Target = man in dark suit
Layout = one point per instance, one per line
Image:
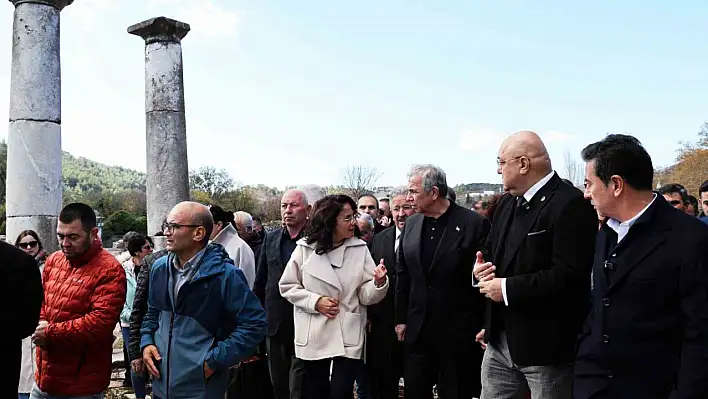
(286, 371)
(538, 280)
(647, 333)
(437, 310)
(22, 295)
(384, 352)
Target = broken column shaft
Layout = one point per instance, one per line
(166, 131)
(34, 178)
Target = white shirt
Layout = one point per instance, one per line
(528, 195)
(398, 236)
(622, 228)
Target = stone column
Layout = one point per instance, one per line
(34, 178)
(166, 131)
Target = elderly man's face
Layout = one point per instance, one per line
(367, 233)
(402, 209)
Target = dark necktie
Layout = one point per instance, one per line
(521, 203)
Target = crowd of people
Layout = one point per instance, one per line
(544, 291)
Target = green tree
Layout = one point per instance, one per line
(240, 199)
(210, 180)
(119, 223)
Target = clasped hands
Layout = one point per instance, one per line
(329, 307)
(489, 284)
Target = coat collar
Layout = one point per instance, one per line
(322, 266)
(225, 235)
(336, 256)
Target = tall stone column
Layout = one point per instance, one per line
(34, 178)
(166, 131)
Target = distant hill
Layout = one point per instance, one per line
(84, 175)
(477, 188)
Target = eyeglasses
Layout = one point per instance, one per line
(171, 227)
(350, 218)
(501, 163)
(675, 202)
(31, 244)
(403, 208)
(147, 247)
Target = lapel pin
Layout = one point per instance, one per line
(457, 228)
(543, 198)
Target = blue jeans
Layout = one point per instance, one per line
(23, 396)
(138, 380)
(38, 394)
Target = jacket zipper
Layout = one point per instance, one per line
(169, 347)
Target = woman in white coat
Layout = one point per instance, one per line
(331, 279)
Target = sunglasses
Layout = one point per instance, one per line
(31, 244)
(675, 202)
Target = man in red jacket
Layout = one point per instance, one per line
(84, 292)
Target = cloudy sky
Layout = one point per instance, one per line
(287, 92)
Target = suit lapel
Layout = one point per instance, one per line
(502, 219)
(598, 275)
(516, 237)
(450, 235)
(413, 248)
(389, 250)
(275, 248)
(652, 236)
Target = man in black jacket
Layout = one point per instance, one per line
(647, 334)
(286, 371)
(22, 294)
(384, 352)
(538, 279)
(437, 311)
(142, 289)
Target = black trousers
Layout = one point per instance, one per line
(384, 358)
(250, 381)
(287, 372)
(341, 386)
(454, 364)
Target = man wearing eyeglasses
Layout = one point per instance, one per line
(703, 199)
(384, 352)
(676, 195)
(202, 318)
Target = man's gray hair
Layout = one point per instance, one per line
(303, 195)
(400, 190)
(433, 176)
(243, 217)
(368, 219)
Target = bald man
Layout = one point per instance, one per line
(202, 318)
(537, 279)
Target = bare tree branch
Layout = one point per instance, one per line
(360, 179)
(574, 170)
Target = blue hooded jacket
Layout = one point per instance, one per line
(215, 319)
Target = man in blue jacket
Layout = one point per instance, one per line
(202, 318)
